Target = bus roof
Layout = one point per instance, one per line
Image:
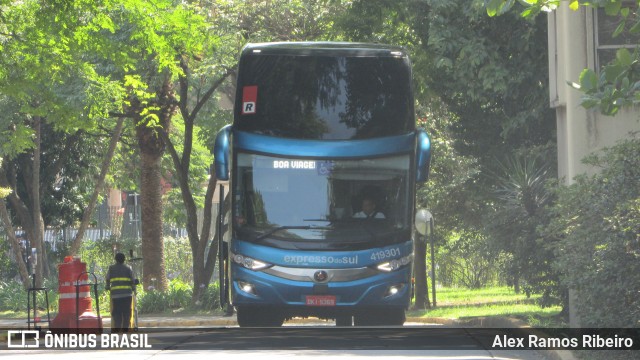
(325, 48)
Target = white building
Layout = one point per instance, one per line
(578, 40)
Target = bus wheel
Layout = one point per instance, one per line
(252, 316)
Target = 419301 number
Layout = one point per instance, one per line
(385, 254)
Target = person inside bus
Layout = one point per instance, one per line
(369, 210)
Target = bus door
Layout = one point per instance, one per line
(223, 251)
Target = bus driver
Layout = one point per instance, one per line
(368, 210)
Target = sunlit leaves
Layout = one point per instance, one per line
(16, 140)
(574, 5)
(498, 7)
(616, 84)
(588, 80)
(532, 7)
(624, 58)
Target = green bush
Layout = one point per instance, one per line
(8, 266)
(13, 297)
(178, 296)
(178, 259)
(211, 298)
(465, 260)
(597, 224)
(98, 255)
(152, 302)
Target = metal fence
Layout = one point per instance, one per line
(110, 222)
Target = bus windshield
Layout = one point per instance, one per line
(321, 204)
(324, 97)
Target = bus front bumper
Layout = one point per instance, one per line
(372, 290)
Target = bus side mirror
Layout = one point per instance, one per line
(221, 152)
(423, 156)
(424, 222)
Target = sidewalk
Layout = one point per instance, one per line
(173, 321)
(147, 321)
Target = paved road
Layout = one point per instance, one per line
(303, 342)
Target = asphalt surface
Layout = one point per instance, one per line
(179, 321)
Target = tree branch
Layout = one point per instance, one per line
(77, 241)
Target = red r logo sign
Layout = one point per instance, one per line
(249, 99)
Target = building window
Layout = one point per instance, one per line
(605, 42)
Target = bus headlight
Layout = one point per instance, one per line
(247, 287)
(393, 290)
(394, 264)
(249, 263)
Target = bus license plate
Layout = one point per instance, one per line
(321, 300)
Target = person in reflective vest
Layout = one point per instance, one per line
(120, 283)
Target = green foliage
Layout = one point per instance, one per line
(618, 85)
(178, 298)
(13, 297)
(532, 7)
(151, 302)
(8, 266)
(99, 255)
(520, 209)
(210, 300)
(466, 260)
(596, 222)
(178, 260)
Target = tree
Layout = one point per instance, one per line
(192, 100)
(160, 36)
(44, 84)
(198, 81)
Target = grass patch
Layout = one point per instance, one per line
(457, 303)
(8, 314)
(452, 303)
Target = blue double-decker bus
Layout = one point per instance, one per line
(323, 158)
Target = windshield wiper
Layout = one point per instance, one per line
(287, 227)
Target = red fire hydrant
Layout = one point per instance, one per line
(74, 298)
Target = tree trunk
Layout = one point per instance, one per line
(8, 179)
(37, 241)
(420, 273)
(152, 146)
(154, 273)
(15, 245)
